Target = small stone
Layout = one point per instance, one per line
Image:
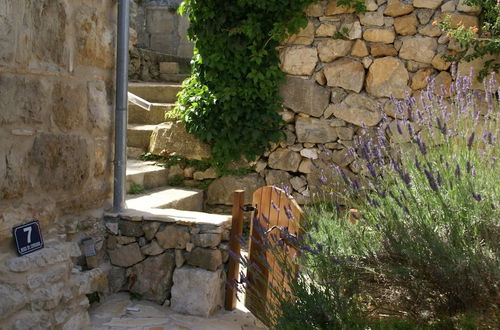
(298, 182)
(304, 37)
(209, 259)
(287, 116)
(209, 173)
(112, 227)
(440, 63)
(379, 35)
(126, 255)
(388, 21)
(152, 249)
(406, 25)
(116, 278)
(448, 7)
(371, 5)
(431, 4)
(367, 62)
(419, 80)
(326, 30)
(430, 31)
(333, 9)
(330, 49)
(173, 237)
(397, 8)
(442, 82)
(358, 49)
(345, 133)
(306, 166)
(342, 157)
(304, 96)
(424, 15)
(309, 153)
(338, 95)
(260, 166)
(315, 10)
(354, 28)
(150, 229)
(383, 50)
(179, 258)
(189, 246)
(372, 19)
(313, 131)
(206, 240)
(299, 60)
(284, 159)
(420, 49)
(456, 20)
(464, 8)
(359, 110)
(345, 73)
(124, 240)
(188, 172)
(413, 66)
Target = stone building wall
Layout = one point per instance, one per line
(56, 92)
(159, 27)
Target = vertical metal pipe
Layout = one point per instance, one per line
(120, 162)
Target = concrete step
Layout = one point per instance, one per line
(145, 174)
(173, 77)
(134, 153)
(138, 135)
(138, 115)
(166, 198)
(155, 92)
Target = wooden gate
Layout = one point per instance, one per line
(276, 216)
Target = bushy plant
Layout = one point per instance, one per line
(417, 238)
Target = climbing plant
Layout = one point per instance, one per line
(477, 42)
(231, 100)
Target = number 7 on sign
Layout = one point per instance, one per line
(28, 230)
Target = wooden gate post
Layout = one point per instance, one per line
(234, 247)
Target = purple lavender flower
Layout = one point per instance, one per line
(421, 145)
(470, 140)
(458, 173)
(477, 197)
(432, 181)
(469, 167)
(371, 169)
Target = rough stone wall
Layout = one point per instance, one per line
(56, 91)
(337, 90)
(160, 28)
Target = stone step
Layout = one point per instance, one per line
(138, 135)
(155, 92)
(167, 198)
(138, 115)
(169, 67)
(145, 174)
(134, 153)
(174, 77)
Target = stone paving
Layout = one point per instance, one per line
(120, 312)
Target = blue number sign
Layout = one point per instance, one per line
(28, 237)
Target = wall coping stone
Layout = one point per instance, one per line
(186, 218)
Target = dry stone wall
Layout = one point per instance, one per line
(181, 264)
(56, 91)
(338, 90)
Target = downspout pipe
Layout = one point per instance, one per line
(120, 163)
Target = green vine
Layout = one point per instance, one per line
(231, 100)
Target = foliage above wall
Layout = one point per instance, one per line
(478, 42)
(231, 101)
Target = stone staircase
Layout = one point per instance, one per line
(145, 175)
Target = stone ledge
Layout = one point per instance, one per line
(186, 218)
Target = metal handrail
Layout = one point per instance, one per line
(132, 98)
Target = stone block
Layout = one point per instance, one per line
(359, 49)
(333, 9)
(70, 105)
(48, 297)
(173, 237)
(220, 191)
(171, 138)
(383, 50)
(284, 159)
(116, 279)
(326, 30)
(63, 161)
(179, 258)
(314, 131)
(169, 67)
(47, 256)
(304, 37)
(406, 25)
(299, 60)
(277, 178)
(152, 278)
(197, 291)
(357, 109)
(152, 249)
(457, 20)
(130, 228)
(99, 111)
(379, 35)
(210, 240)
(345, 73)
(331, 49)
(430, 4)
(387, 77)
(305, 96)
(397, 8)
(420, 49)
(209, 259)
(126, 256)
(372, 19)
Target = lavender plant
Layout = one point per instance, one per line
(425, 242)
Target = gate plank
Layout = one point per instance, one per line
(264, 273)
